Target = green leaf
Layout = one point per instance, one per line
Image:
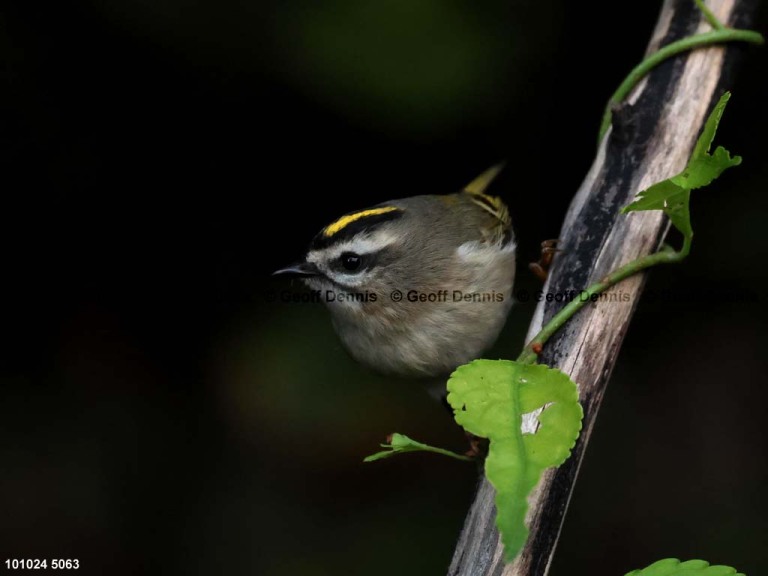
(710, 127)
(673, 195)
(673, 567)
(399, 443)
(489, 399)
(670, 197)
(702, 170)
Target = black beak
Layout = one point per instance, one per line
(298, 269)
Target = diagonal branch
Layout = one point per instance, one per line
(652, 137)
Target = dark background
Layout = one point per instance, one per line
(159, 416)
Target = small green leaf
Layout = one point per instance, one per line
(670, 197)
(702, 170)
(673, 567)
(489, 399)
(400, 443)
(673, 195)
(704, 142)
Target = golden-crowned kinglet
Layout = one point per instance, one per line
(417, 286)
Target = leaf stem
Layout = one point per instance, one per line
(448, 453)
(400, 444)
(709, 16)
(717, 36)
(666, 255)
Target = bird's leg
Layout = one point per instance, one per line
(478, 446)
(541, 268)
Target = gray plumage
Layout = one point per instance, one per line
(435, 248)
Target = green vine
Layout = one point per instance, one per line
(666, 255)
(720, 35)
(672, 196)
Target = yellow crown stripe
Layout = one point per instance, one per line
(345, 221)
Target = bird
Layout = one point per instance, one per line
(420, 285)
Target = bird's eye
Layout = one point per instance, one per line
(350, 261)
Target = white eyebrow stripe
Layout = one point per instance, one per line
(361, 245)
